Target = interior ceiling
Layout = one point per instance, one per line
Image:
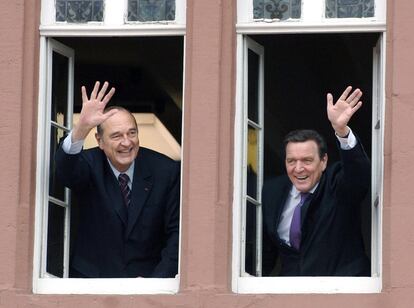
(147, 73)
(155, 61)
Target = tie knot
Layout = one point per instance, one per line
(304, 196)
(123, 179)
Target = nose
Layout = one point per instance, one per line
(125, 141)
(298, 166)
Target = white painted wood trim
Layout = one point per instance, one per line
(106, 286)
(101, 31)
(295, 27)
(306, 285)
(238, 161)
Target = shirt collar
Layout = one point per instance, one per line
(295, 193)
(129, 171)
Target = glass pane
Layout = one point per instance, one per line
(276, 9)
(55, 240)
(349, 8)
(55, 188)
(79, 11)
(59, 88)
(252, 148)
(253, 86)
(250, 265)
(151, 10)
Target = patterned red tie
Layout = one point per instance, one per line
(123, 184)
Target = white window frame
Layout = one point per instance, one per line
(114, 22)
(244, 283)
(257, 202)
(44, 283)
(312, 20)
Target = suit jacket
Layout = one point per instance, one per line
(332, 243)
(113, 241)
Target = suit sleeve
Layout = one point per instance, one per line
(72, 170)
(168, 266)
(355, 175)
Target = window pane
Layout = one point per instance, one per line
(55, 240)
(252, 148)
(276, 9)
(59, 88)
(349, 8)
(250, 266)
(55, 188)
(151, 10)
(253, 87)
(79, 11)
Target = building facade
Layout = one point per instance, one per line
(201, 61)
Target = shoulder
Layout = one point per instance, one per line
(275, 188)
(276, 182)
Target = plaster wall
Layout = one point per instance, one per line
(207, 177)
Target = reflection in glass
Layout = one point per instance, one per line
(151, 10)
(253, 86)
(250, 264)
(55, 234)
(349, 8)
(60, 76)
(252, 148)
(56, 189)
(276, 9)
(79, 11)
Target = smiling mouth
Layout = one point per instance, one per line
(301, 178)
(125, 151)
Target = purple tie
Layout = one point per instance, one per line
(295, 233)
(123, 184)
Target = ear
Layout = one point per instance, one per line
(324, 161)
(99, 140)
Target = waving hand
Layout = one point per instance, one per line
(342, 111)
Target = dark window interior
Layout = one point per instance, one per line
(299, 70)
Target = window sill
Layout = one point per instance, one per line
(121, 286)
(306, 285)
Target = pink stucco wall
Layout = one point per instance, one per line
(208, 159)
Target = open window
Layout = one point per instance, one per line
(148, 76)
(290, 93)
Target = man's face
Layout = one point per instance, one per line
(119, 140)
(303, 164)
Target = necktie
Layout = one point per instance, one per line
(295, 234)
(123, 184)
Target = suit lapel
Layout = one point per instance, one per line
(141, 189)
(114, 194)
(315, 196)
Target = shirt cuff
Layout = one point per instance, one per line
(70, 147)
(349, 142)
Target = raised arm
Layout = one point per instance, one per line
(342, 111)
(92, 113)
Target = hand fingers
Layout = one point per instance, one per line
(110, 113)
(357, 106)
(108, 96)
(354, 97)
(102, 91)
(95, 90)
(329, 100)
(84, 95)
(346, 93)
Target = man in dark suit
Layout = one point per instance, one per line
(312, 214)
(128, 195)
